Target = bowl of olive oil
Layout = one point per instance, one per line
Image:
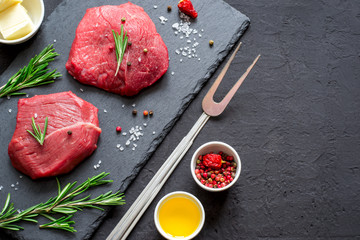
(179, 215)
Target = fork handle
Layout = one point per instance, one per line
(134, 213)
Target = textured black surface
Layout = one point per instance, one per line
(168, 99)
(294, 122)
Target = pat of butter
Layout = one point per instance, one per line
(4, 4)
(15, 22)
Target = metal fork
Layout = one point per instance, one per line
(211, 108)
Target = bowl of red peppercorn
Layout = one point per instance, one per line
(215, 166)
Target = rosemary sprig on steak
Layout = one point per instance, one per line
(120, 46)
(38, 135)
(63, 204)
(34, 74)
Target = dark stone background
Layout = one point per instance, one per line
(294, 122)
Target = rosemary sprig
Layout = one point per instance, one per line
(120, 46)
(38, 135)
(63, 203)
(34, 74)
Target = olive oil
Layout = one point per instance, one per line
(179, 216)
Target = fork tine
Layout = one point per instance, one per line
(213, 108)
(208, 99)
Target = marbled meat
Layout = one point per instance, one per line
(72, 134)
(92, 58)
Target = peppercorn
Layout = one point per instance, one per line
(151, 112)
(134, 112)
(145, 50)
(123, 19)
(118, 129)
(129, 43)
(169, 8)
(69, 132)
(128, 63)
(211, 43)
(146, 113)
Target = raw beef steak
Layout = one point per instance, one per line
(72, 133)
(92, 58)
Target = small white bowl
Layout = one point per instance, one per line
(173, 195)
(215, 147)
(36, 12)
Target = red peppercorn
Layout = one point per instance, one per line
(228, 176)
(222, 179)
(210, 185)
(200, 157)
(223, 184)
(198, 176)
(202, 181)
(118, 129)
(229, 158)
(217, 179)
(213, 176)
(205, 175)
(146, 113)
(197, 171)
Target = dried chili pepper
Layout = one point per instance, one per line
(186, 7)
(212, 160)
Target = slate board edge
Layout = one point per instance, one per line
(186, 102)
(171, 124)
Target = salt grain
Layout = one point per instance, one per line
(8, 96)
(12, 185)
(122, 149)
(10, 110)
(172, 73)
(153, 132)
(105, 111)
(163, 19)
(118, 145)
(35, 115)
(54, 40)
(155, 7)
(133, 105)
(124, 133)
(81, 90)
(123, 106)
(133, 149)
(145, 124)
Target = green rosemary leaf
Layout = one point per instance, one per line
(38, 135)
(34, 74)
(63, 204)
(120, 46)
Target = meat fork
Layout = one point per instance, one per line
(210, 108)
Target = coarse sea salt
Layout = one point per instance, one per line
(163, 19)
(10, 110)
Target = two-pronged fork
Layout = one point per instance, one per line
(211, 108)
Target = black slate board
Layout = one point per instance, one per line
(168, 98)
